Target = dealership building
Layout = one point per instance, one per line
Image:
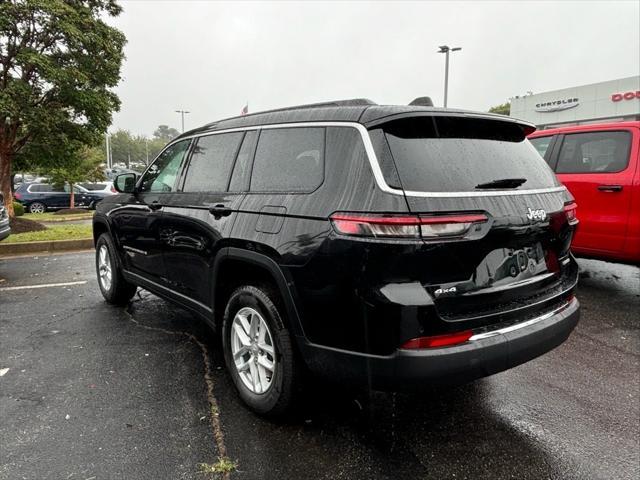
(611, 101)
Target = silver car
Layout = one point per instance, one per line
(5, 229)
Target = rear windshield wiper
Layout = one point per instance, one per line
(503, 183)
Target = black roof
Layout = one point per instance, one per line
(358, 110)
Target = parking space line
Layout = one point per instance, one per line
(43, 285)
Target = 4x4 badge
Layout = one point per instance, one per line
(536, 215)
(440, 291)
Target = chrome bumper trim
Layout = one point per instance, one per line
(518, 326)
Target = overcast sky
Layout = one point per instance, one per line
(212, 57)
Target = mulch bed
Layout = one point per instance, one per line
(71, 211)
(22, 225)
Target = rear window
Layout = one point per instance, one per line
(455, 154)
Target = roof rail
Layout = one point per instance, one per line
(354, 102)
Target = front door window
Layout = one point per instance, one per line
(161, 176)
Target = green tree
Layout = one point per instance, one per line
(58, 61)
(166, 133)
(125, 148)
(155, 145)
(85, 164)
(503, 109)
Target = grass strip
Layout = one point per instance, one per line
(54, 232)
(52, 217)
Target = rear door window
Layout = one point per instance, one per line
(211, 162)
(594, 152)
(40, 188)
(93, 186)
(456, 154)
(541, 144)
(289, 160)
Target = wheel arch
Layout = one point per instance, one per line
(99, 227)
(237, 266)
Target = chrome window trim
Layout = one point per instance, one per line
(373, 162)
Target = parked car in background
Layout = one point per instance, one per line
(342, 239)
(115, 171)
(40, 197)
(600, 165)
(5, 228)
(104, 189)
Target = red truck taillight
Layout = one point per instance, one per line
(570, 212)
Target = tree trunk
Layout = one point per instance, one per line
(73, 198)
(5, 180)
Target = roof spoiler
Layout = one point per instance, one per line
(422, 102)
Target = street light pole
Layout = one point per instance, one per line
(182, 114)
(446, 49)
(107, 144)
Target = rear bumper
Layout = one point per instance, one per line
(485, 354)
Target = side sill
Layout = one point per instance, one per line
(167, 293)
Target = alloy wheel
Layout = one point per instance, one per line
(253, 350)
(36, 208)
(104, 267)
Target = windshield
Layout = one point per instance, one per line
(459, 154)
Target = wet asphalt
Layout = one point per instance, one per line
(97, 392)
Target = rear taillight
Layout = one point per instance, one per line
(447, 340)
(17, 195)
(405, 226)
(570, 213)
(449, 225)
(113, 189)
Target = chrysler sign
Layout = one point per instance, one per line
(557, 105)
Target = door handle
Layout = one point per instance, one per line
(154, 205)
(610, 188)
(219, 211)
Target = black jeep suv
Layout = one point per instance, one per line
(386, 246)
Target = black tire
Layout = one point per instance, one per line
(119, 292)
(35, 206)
(280, 396)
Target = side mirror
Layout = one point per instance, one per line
(125, 182)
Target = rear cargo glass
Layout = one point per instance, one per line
(455, 154)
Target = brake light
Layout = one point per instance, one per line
(405, 226)
(446, 340)
(113, 189)
(570, 212)
(17, 195)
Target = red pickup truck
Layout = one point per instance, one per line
(600, 165)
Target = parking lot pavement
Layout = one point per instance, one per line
(92, 393)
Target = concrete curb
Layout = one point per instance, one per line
(45, 246)
(68, 218)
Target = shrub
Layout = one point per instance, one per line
(18, 209)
